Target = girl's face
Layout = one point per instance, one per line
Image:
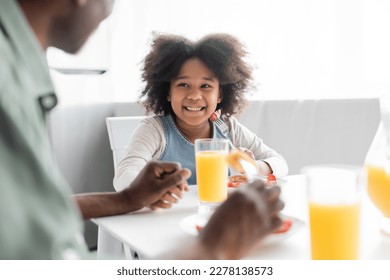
(194, 93)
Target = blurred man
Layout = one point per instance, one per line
(38, 220)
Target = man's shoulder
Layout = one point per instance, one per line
(7, 60)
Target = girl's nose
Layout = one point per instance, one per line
(194, 94)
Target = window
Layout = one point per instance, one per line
(300, 49)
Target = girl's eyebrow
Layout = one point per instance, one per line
(212, 78)
(181, 78)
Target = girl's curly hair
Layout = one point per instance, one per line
(222, 53)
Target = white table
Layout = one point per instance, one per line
(155, 233)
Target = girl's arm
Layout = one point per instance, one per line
(146, 143)
(267, 159)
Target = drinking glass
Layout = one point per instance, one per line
(377, 164)
(211, 172)
(334, 210)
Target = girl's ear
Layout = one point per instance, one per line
(220, 97)
(169, 96)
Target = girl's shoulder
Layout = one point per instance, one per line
(152, 121)
(231, 121)
(236, 128)
(151, 125)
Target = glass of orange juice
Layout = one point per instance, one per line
(378, 188)
(211, 172)
(334, 210)
(377, 164)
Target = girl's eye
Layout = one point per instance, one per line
(205, 86)
(182, 85)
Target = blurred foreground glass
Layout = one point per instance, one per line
(334, 210)
(211, 172)
(377, 164)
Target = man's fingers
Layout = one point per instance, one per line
(176, 178)
(258, 185)
(168, 197)
(183, 187)
(276, 222)
(166, 201)
(160, 204)
(275, 208)
(176, 192)
(273, 193)
(186, 173)
(163, 167)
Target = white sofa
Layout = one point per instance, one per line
(315, 131)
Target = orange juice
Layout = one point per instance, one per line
(378, 188)
(212, 175)
(334, 231)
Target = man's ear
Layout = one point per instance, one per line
(80, 3)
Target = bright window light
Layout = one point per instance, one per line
(301, 49)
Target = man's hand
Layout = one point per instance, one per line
(158, 185)
(247, 216)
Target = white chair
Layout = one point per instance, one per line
(119, 130)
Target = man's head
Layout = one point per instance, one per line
(65, 24)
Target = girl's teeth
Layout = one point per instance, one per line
(193, 109)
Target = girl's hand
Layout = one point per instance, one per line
(248, 152)
(263, 167)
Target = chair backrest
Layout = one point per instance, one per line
(120, 130)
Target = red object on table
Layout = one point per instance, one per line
(284, 227)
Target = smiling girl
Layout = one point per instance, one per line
(186, 82)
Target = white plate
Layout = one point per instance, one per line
(188, 225)
(281, 182)
(296, 225)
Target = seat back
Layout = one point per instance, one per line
(120, 130)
